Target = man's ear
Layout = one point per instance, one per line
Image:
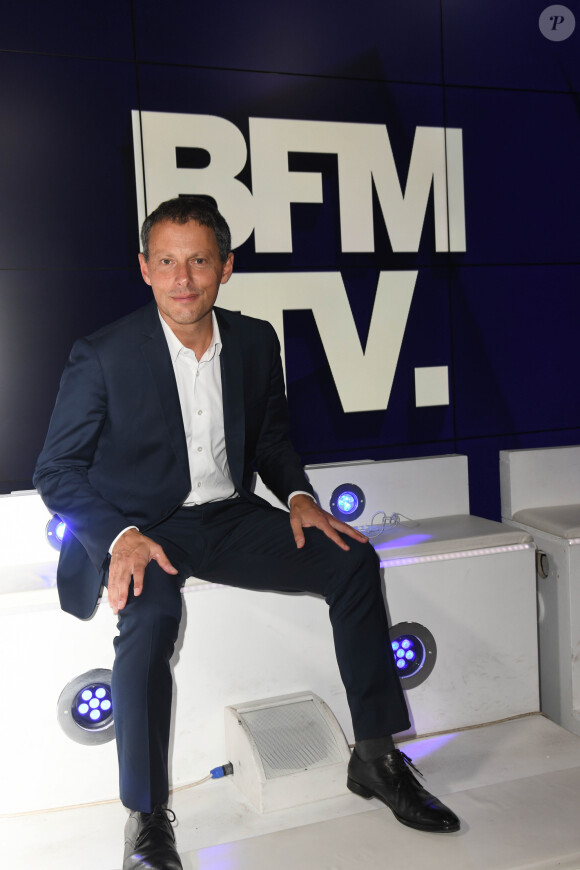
(144, 269)
(227, 269)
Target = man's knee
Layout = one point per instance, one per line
(363, 558)
(154, 615)
(357, 571)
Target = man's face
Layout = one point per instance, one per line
(185, 272)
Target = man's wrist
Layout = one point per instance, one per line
(299, 492)
(119, 535)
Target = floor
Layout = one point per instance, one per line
(514, 784)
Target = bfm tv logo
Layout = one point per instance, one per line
(364, 159)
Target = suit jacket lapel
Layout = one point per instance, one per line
(156, 353)
(231, 363)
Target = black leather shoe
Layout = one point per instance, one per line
(150, 841)
(389, 779)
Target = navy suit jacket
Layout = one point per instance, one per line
(115, 454)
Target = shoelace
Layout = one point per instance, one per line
(406, 761)
(159, 814)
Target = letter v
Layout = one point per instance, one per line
(364, 378)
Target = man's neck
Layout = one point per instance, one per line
(195, 336)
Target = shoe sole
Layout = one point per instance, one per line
(364, 792)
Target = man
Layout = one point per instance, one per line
(160, 420)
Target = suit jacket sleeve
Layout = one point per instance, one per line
(63, 470)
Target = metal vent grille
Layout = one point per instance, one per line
(291, 737)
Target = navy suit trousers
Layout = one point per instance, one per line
(251, 546)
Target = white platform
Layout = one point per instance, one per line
(540, 492)
(515, 786)
(469, 581)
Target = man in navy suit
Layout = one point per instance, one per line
(160, 421)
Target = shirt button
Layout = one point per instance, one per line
(198, 484)
(199, 449)
(199, 413)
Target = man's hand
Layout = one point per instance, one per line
(129, 558)
(305, 513)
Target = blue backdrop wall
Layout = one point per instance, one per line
(495, 318)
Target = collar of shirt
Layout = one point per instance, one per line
(176, 347)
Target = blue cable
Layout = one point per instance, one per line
(223, 770)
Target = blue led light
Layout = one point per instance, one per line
(85, 707)
(94, 707)
(55, 531)
(409, 654)
(414, 653)
(347, 502)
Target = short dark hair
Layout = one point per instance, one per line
(183, 209)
